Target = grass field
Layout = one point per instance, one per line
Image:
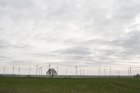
(69, 85)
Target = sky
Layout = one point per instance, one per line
(98, 33)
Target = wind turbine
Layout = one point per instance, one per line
(29, 70)
(57, 70)
(49, 66)
(76, 69)
(83, 72)
(13, 70)
(18, 70)
(40, 70)
(37, 69)
(118, 73)
(104, 71)
(110, 71)
(130, 70)
(66, 71)
(99, 71)
(80, 72)
(51, 70)
(4, 69)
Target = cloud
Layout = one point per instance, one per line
(97, 32)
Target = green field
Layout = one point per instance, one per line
(69, 85)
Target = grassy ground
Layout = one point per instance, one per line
(66, 85)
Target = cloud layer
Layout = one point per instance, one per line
(77, 32)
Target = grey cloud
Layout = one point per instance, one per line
(130, 41)
(104, 50)
(80, 31)
(130, 44)
(76, 51)
(4, 57)
(7, 44)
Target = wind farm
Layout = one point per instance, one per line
(40, 70)
(68, 79)
(69, 46)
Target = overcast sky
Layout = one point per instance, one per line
(72, 32)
